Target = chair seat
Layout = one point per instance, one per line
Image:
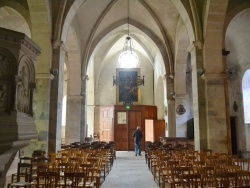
(19, 184)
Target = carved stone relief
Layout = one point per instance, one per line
(4, 83)
(24, 81)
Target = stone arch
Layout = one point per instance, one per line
(147, 31)
(233, 12)
(74, 62)
(237, 64)
(68, 20)
(18, 7)
(186, 20)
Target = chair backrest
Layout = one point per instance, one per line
(24, 170)
(25, 160)
(225, 179)
(232, 168)
(66, 167)
(47, 179)
(244, 163)
(243, 179)
(192, 180)
(75, 179)
(207, 173)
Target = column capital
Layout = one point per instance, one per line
(57, 43)
(197, 43)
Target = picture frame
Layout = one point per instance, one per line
(128, 93)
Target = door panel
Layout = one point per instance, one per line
(134, 120)
(121, 137)
(106, 123)
(105, 130)
(159, 129)
(149, 130)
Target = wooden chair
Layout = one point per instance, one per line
(47, 180)
(191, 181)
(27, 161)
(23, 176)
(244, 163)
(176, 173)
(232, 168)
(207, 173)
(225, 180)
(243, 179)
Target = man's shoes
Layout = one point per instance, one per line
(140, 154)
(135, 155)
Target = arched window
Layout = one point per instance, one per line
(246, 95)
(128, 59)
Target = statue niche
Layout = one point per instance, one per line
(24, 90)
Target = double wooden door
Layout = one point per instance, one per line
(124, 132)
(118, 124)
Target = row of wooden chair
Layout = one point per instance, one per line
(92, 162)
(165, 166)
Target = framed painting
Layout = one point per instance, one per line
(128, 91)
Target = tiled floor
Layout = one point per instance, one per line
(129, 171)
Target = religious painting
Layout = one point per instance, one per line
(128, 90)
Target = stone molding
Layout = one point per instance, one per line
(74, 97)
(213, 76)
(16, 40)
(42, 76)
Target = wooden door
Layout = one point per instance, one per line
(149, 130)
(159, 129)
(121, 131)
(233, 135)
(106, 123)
(134, 120)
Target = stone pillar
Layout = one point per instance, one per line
(217, 116)
(56, 97)
(198, 91)
(83, 123)
(171, 121)
(73, 114)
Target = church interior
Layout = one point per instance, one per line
(74, 71)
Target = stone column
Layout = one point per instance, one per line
(83, 123)
(73, 114)
(56, 97)
(217, 116)
(198, 91)
(171, 121)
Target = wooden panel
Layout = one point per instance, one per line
(121, 137)
(159, 129)
(149, 130)
(123, 133)
(134, 120)
(106, 123)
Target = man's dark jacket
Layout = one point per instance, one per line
(137, 135)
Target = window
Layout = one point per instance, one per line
(128, 59)
(246, 95)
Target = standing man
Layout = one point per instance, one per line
(137, 138)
